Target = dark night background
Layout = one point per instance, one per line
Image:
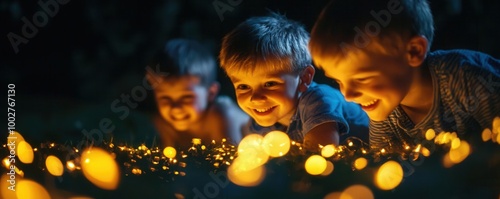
(91, 52)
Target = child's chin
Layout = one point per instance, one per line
(265, 123)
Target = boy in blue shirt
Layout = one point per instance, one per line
(378, 52)
(187, 98)
(269, 64)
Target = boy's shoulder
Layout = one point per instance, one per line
(460, 60)
(320, 93)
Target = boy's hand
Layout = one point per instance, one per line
(324, 134)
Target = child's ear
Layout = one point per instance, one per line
(213, 91)
(306, 78)
(417, 50)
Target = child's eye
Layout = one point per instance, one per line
(269, 84)
(242, 87)
(363, 80)
(187, 99)
(165, 100)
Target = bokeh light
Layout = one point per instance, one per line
(357, 192)
(251, 154)
(389, 175)
(360, 163)
(333, 195)
(27, 189)
(457, 155)
(25, 152)
(329, 168)
(430, 134)
(486, 135)
(315, 165)
(276, 143)
(5, 182)
(328, 151)
(169, 152)
(100, 168)
(246, 178)
(54, 165)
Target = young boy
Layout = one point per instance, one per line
(269, 64)
(378, 51)
(187, 98)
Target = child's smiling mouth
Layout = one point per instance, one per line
(368, 106)
(264, 111)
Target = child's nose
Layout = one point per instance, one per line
(258, 96)
(350, 93)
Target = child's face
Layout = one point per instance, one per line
(181, 101)
(376, 81)
(267, 98)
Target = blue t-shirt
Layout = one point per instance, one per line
(319, 104)
(466, 100)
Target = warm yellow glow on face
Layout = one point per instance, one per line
(315, 165)
(329, 168)
(357, 191)
(360, 163)
(389, 175)
(328, 151)
(54, 165)
(28, 189)
(100, 168)
(430, 134)
(169, 152)
(251, 154)
(246, 178)
(276, 143)
(25, 152)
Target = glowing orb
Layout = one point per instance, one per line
(486, 135)
(389, 175)
(329, 169)
(333, 195)
(315, 165)
(496, 125)
(54, 165)
(328, 151)
(15, 138)
(169, 152)
(7, 181)
(276, 143)
(357, 191)
(25, 152)
(246, 178)
(455, 143)
(27, 189)
(360, 163)
(458, 154)
(425, 152)
(100, 168)
(251, 152)
(430, 134)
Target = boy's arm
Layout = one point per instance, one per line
(323, 134)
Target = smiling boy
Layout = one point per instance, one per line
(378, 52)
(269, 64)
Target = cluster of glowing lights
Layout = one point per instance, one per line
(253, 152)
(244, 169)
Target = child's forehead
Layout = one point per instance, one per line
(178, 83)
(256, 73)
